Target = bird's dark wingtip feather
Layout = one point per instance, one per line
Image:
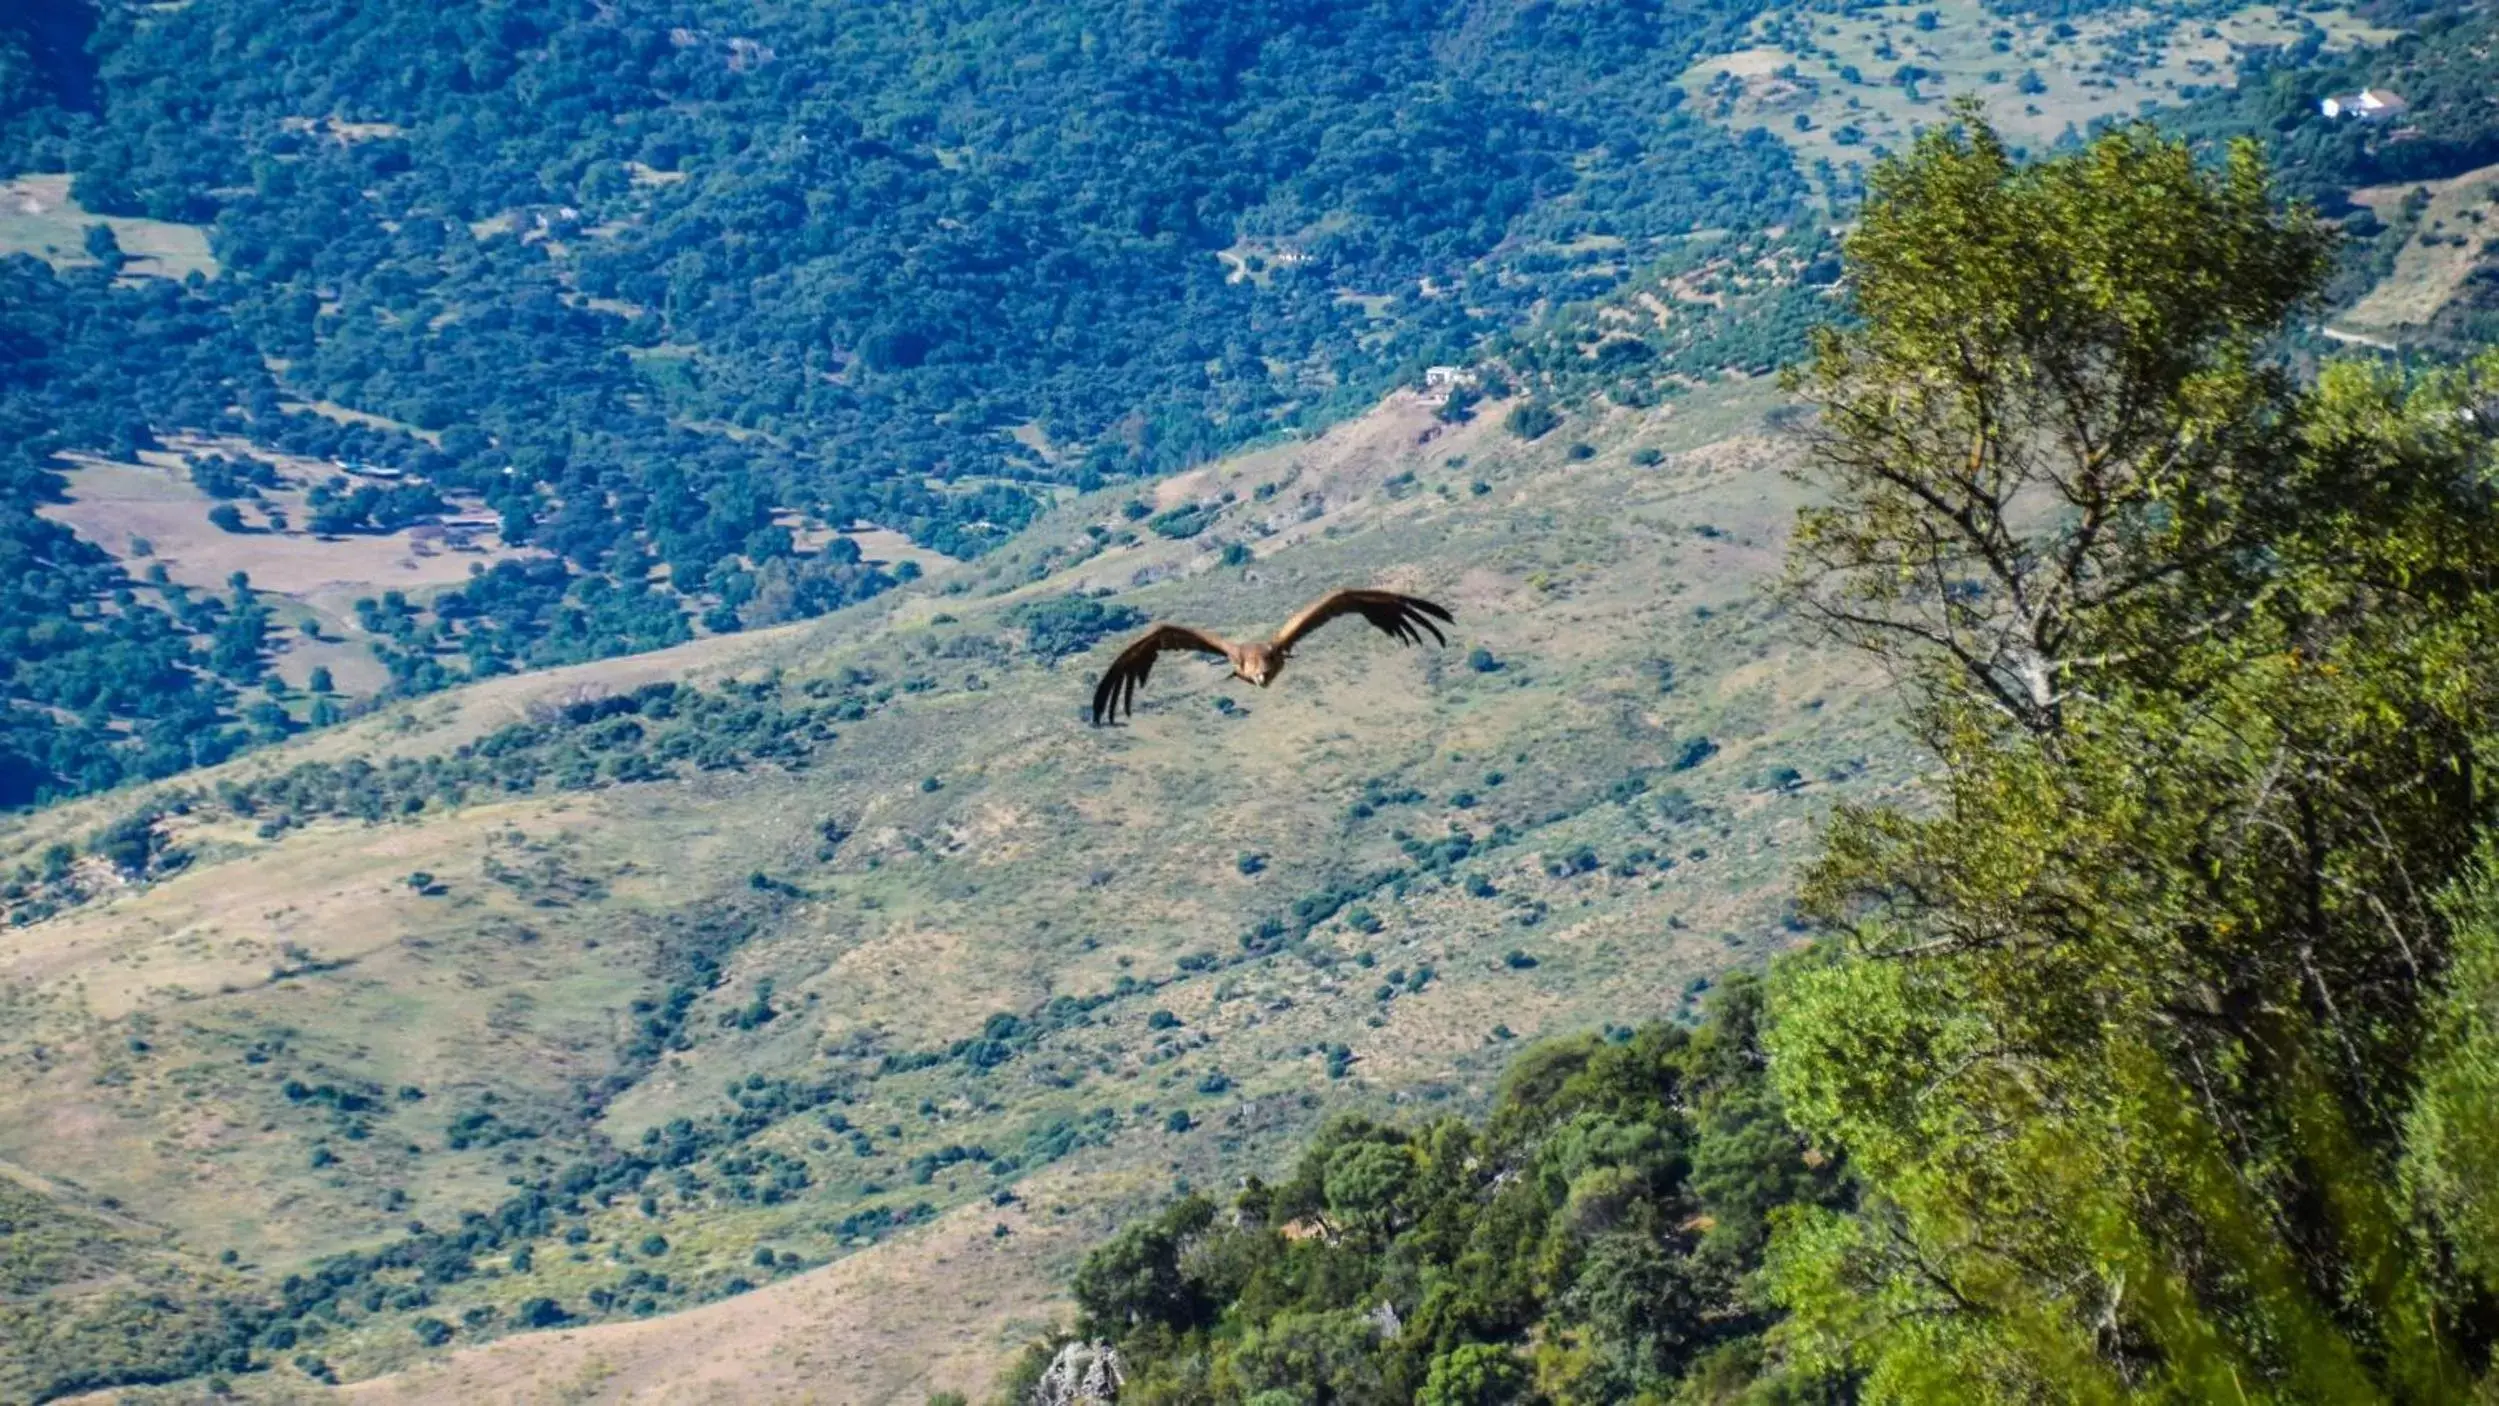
(1436, 612)
(1106, 696)
(1414, 617)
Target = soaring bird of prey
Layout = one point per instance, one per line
(1403, 618)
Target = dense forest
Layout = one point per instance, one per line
(2159, 1039)
(1613, 1204)
(641, 278)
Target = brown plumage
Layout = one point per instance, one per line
(1404, 618)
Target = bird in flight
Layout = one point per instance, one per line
(1404, 618)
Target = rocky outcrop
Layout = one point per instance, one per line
(1083, 1374)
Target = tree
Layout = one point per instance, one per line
(1135, 1280)
(1367, 1184)
(2150, 1035)
(102, 247)
(1474, 1374)
(1555, 1252)
(2057, 374)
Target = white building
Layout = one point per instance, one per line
(2368, 104)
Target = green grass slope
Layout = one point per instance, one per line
(860, 960)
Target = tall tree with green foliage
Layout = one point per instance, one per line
(2163, 1028)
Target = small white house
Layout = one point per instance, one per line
(2367, 105)
(1440, 383)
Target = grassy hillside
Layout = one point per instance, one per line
(38, 217)
(885, 885)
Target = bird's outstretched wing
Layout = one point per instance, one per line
(1118, 688)
(1403, 617)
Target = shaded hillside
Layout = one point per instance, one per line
(449, 1038)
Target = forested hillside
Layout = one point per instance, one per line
(668, 290)
(2443, 68)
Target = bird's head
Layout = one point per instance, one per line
(1259, 665)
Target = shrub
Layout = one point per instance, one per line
(1068, 625)
(1533, 420)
